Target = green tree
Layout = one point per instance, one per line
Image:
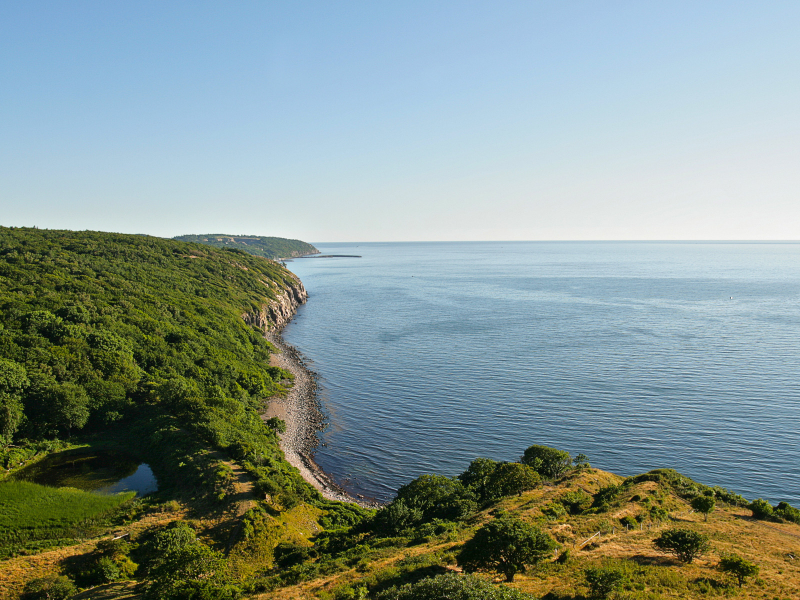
(438, 497)
(477, 475)
(581, 461)
(13, 381)
(683, 543)
(511, 478)
(704, 504)
(506, 544)
(737, 566)
(548, 462)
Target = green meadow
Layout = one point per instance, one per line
(35, 516)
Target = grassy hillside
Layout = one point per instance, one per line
(267, 247)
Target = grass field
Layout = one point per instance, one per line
(34, 516)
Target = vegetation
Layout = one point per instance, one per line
(266, 247)
(547, 462)
(737, 566)
(36, 516)
(451, 586)
(142, 347)
(508, 545)
(684, 543)
(703, 504)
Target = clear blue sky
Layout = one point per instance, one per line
(361, 121)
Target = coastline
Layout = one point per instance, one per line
(300, 410)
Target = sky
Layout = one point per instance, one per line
(403, 121)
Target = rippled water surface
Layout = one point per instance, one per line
(640, 355)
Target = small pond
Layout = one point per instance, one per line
(104, 472)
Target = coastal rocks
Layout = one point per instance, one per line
(280, 311)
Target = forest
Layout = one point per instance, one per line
(266, 247)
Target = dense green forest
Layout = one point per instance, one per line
(268, 247)
(138, 346)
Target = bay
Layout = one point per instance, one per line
(639, 354)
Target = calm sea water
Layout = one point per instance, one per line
(640, 355)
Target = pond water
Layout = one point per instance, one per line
(103, 472)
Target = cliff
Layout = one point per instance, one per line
(277, 313)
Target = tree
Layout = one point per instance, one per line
(683, 543)
(603, 580)
(548, 462)
(511, 478)
(703, 504)
(49, 588)
(581, 461)
(508, 545)
(737, 566)
(13, 381)
(438, 497)
(477, 476)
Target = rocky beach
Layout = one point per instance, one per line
(300, 410)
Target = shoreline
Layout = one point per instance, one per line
(300, 410)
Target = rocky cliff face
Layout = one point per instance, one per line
(278, 312)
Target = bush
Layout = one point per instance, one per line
(603, 580)
(683, 543)
(576, 502)
(452, 586)
(49, 588)
(787, 512)
(703, 504)
(629, 522)
(737, 566)
(761, 509)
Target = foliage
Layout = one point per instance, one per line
(180, 566)
(602, 581)
(49, 588)
(605, 495)
(703, 504)
(737, 566)
(267, 247)
(685, 487)
(548, 462)
(787, 512)
(424, 499)
(276, 424)
(761, 509)
(506, 544)
(581, 461)
(452, 586)
(477, 475)
(683, 543)
(147, 334)
(575, 501)
(511, 478)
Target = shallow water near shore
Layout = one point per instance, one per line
(640, 355)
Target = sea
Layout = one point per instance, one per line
(641, 355)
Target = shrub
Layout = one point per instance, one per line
(452, 586)
(737, 566)
(787, 512)
(761, 509)
(603, 580)
(683, 543)
(629, 522)
(49, 588)
(576, 502)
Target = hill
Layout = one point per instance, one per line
(267, 247)
(120, 350)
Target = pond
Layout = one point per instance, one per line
(104, 472)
